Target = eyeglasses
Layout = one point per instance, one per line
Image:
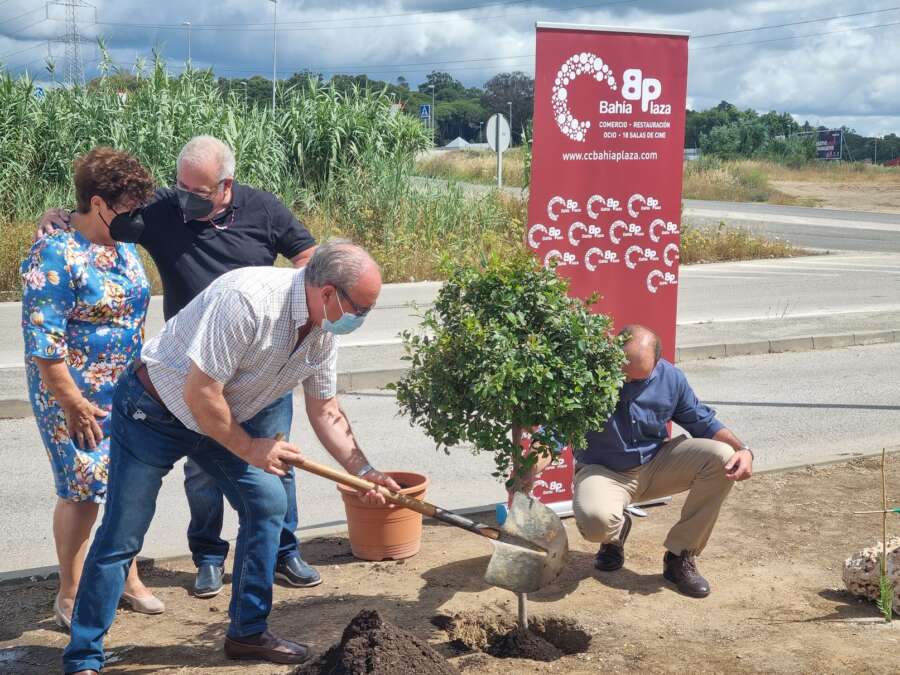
(131, 213)
(359, 311)
(204, 194)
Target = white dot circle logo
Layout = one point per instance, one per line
(629, 253)
(635, 198)
(551, 255)
(653, 280)
(613, 235)
(584, 63)
(576, 227)
(670, 254)
(535, 229)
(590, 205)
(551, 207)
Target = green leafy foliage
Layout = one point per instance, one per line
(885, 599)
(505, 348)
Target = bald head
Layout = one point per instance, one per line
(642, 351)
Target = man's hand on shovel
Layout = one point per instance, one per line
(272, 455)
(373, 496)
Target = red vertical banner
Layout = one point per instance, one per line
(606, 177)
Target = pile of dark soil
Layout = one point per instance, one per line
(372, 646)
(546, 639)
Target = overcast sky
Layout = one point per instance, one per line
(849, 76)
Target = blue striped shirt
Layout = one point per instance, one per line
(639, 426)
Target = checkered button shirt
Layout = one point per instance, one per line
(242, 331)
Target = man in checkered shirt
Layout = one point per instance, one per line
(248, 339)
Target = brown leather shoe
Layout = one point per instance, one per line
(682, 571)
(266, 647)
(611, 557)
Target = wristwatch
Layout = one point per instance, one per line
(363, 471)
(746, 447)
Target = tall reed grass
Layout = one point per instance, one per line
(292, 151)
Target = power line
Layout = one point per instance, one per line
(15, 18)
(243, 28)
(798, 37)
(20, 51)
(796, 23)
(24, 28)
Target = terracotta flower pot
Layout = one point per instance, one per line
(382, 533)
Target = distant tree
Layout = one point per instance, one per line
(459, 118)
(516, 87)
(446, 87)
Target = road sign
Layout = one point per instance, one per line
(498, 133)
(425, 111)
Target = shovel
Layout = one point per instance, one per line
(529, 548)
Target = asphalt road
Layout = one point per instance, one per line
(821, 286)
(830, 229)
(793, 408)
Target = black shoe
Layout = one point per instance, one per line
(611, 557)
(208, 583)
(682, 571)
(296, 572)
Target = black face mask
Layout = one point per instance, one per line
(193, 206)
(126, 227)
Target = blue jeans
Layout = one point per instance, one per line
(205, 497)
(145, 442)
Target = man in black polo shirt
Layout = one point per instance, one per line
(203, 227)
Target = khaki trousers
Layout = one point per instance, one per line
(683, 464)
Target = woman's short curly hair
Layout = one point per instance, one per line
(112, 174)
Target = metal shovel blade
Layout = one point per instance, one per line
(540, 551)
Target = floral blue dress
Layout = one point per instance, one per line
(85, 303)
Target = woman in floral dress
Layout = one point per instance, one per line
(84, 301)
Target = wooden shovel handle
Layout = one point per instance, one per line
(417, 505)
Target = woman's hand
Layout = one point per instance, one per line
(81, 421)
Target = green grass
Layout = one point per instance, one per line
(723, 244)
(474, 166)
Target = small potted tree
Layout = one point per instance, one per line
(503, 351)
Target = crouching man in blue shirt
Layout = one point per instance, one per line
(633, 459)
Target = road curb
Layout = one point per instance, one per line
(380, 378)
(781, 345)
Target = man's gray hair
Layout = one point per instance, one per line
(337, 262)
(204, 150)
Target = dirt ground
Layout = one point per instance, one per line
(775, 560)
(880, 194)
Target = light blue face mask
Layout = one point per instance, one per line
(347, 323)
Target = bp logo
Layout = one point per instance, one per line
(577, 66)
(540, 233)
(657, 278)
(597, 256)
(660, 228)
(579, 231)
(561, 259)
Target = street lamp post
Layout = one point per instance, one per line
(433, 118)
(187, 24)
(509, 103)
(274, 49)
